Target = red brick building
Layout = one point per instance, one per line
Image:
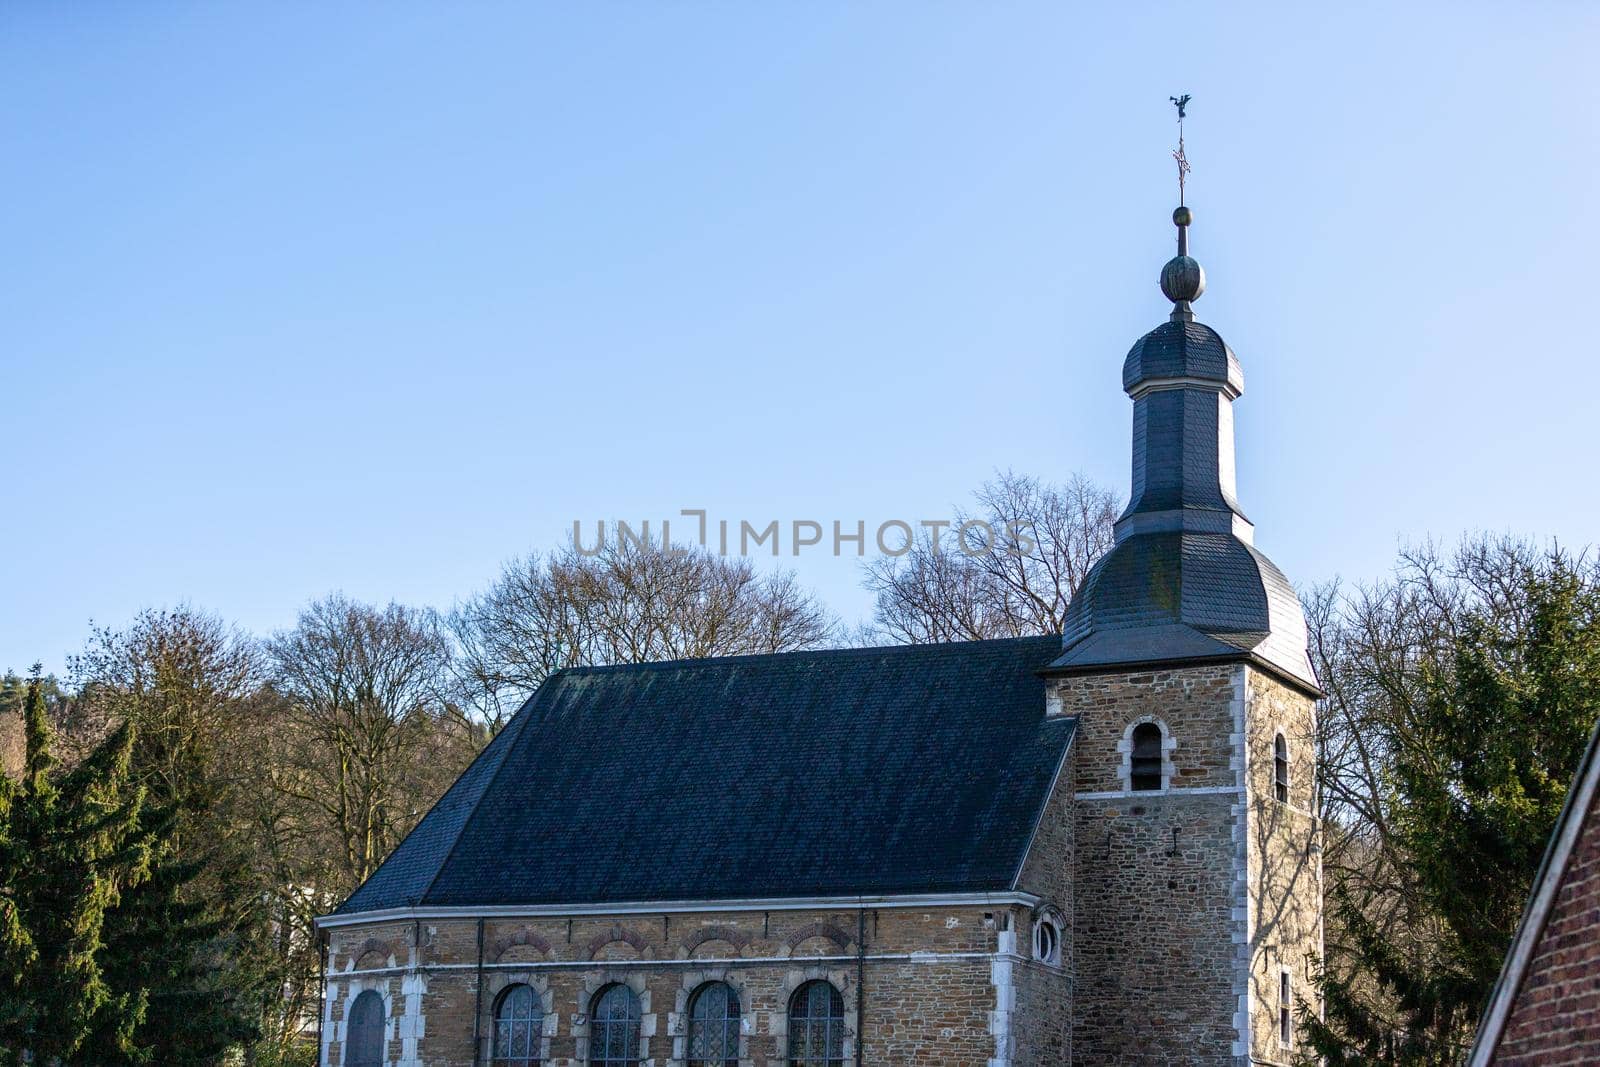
(1546, 1007)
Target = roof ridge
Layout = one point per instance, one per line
(800, 653)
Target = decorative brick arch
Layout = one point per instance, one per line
(826, 930)
(617, 933)
(716, 933)
(520, 936)
(384, 949)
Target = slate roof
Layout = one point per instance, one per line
(1180, 595)
(1184, 583)
(1182, 350)
(913, 769)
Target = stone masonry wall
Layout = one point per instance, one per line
(1555, 1019)
(929, 980)
(1153, 951)
(1285, 876)
(1039, 1028)
(1192, 705)
(1190, 900)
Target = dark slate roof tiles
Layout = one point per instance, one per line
(1182, 350)
(849, 772)
(1171, 596)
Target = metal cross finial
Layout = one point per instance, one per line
(1182, 104)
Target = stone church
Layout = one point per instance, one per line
(1098, 847)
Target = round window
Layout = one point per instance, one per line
(1047, 940)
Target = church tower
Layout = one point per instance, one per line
(1197, 903)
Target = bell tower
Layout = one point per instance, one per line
(1198, 890)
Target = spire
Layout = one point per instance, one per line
(1182, 279)
(1183, 379)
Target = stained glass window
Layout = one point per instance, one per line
(614, 1028)
(714, 1026)
(518, 1026)
(816, 1026)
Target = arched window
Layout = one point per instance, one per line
(816, 1026)
(614, 1028)
(714, 1026)
(1280, 768)
(1145, 766)
(363, 1041)
(518, 1027)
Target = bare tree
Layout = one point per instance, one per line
(1007, 568)
(180, 675)
(373, 741)
(629, 603)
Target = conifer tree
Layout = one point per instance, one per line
(163, 942)
(183, 935)
(75, 844)
(1478, 766)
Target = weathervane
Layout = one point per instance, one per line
(1182, 104)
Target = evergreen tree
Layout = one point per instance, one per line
(1477, 770)
(186, 935)
(163, 941)
(75, 846)
(17, 952)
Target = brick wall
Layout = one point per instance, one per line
(1555, 1019)
(1153, 944)
(929, 979)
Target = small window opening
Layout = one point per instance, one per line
(1280, 769)
(1047, 942)
(1285, 1015)
(1146, 763)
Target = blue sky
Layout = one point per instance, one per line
(370, 297)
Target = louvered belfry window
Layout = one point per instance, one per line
(714, 1026)
(1146, 762)
(1280, 768)
(816, 1026)
(614, 1028)
(363, 1043)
